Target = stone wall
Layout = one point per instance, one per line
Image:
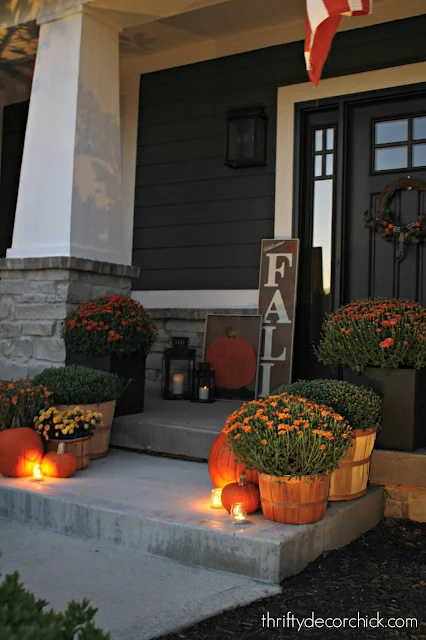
(189, 323)
(36, 294)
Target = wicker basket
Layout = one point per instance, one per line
(99, 442)
(80, 447)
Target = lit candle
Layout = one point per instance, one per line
(203, 393)
(216, 499)
(37, 475)
(238, 513)
(177, 384)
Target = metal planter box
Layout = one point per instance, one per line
(404, 405)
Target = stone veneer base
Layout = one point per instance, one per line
(36, 294)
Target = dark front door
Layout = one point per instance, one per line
(386, 141)
(350, 151)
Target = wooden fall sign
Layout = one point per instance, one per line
(277, 304)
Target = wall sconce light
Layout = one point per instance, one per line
(246, 138)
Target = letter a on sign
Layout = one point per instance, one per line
(277, 304)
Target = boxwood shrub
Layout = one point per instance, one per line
(362, 407)
(80, 385)
(24, 617)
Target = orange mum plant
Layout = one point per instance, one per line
(376, 332)
(20, 401)
(287, 435)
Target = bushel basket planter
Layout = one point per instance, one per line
(99, 442)
(294, 500)
(350, 480)
(403, 391)
(130, 368)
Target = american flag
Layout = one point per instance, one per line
(322, 20)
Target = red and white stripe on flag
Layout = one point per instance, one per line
(322, 21)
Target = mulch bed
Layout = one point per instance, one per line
(384, 571)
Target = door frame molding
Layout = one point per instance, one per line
(343, 105)
(287, 165)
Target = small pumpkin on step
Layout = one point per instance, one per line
(59, 464)
(241, 491)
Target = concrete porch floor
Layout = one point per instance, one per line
(161, 507)
(174, 427)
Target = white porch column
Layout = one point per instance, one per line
(69, 201)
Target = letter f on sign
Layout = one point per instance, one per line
(273, 269)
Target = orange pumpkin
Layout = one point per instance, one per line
(20, 450)
(58, 464)
(233, 360)
(223, 469)
(241, 491)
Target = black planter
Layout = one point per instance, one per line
(404, 405)
(128, 367)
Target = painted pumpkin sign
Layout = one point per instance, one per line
(232, 349)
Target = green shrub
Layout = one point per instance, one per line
(361, 407)
(80, 385)
(23, 617)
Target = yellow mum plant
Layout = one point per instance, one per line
(67, 425)
(287, 435)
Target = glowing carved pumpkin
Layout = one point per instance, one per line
(59, 464)
(20, 450)
(222, 466)
(241, 491)
(233, 360)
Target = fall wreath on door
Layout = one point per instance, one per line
(383, 222)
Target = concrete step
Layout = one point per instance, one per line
(161, 596)
(161, 506)
(173, 427)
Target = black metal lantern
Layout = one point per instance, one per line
(246, 138)
(178, 370)
(203, 389)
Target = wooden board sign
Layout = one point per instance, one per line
(277, 304)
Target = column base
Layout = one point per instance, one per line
(36, 294)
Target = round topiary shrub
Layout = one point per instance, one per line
(80, 385)
(361, 407)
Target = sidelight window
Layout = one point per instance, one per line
(399, 144)
(322, 233)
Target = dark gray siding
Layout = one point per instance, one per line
(198, 223)
(14, 125)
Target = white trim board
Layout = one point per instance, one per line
(205, 299)
(290, 95)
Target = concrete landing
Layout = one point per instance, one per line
(138, 596)
(161, 506)
(174, 427)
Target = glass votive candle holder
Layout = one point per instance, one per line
(238, 513)
(216, 499)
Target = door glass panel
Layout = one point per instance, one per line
(419, 128)
(330, 139)
(391, 158)
(322, 233)
(391, 131)
(419, 155)
(318, 166)
(318, 140)
(329, 164)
